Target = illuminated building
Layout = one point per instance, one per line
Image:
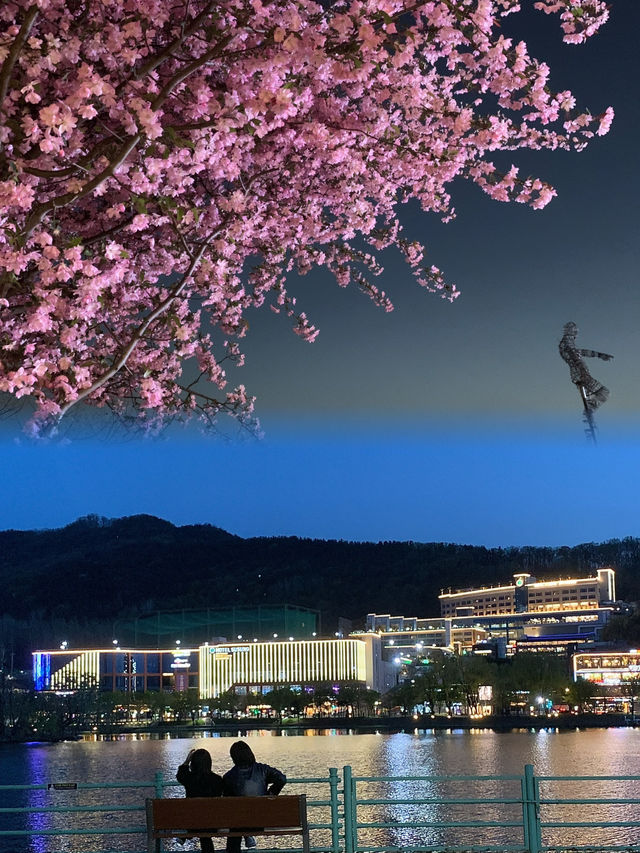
(527, 594)
(215, 668)
(406, 634)
(607, 668)
(260, 667)
(552, 644)
(558, 615)
(128, 670)
(463, 633)
(552, 627)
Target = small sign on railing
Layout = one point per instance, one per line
(62, 786)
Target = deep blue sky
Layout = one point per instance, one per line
(436, 422)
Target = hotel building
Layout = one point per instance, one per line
(528, 615)
(259, 667)
(526, 594)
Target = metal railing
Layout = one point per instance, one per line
(91, 814)
(355, 814)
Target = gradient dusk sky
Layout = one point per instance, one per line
(437, 422)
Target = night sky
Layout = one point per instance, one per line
(438, 422)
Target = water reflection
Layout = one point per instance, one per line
(37, 765)
(425, 755)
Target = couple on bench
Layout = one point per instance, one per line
(247, 778)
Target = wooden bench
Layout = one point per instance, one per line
(211, 817)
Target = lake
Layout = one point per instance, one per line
(602, 752)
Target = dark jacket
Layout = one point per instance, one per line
(199, 784)
(252, 780)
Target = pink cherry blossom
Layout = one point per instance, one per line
(166, 166)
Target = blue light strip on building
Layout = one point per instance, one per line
(41, 670)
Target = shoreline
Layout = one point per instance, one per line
(385, 725)
(407, 724)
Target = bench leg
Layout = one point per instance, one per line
(153, 844)
(305, 841)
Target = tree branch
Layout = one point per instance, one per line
(138, 335)
(16, 47)
(159, 58)
(60, 201)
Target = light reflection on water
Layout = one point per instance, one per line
(429, 754)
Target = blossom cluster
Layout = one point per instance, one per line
(164, 167)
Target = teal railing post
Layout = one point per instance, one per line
(335, 813)
(350, 835)
(531, 811)
(525, 811)
(159, 791)
(157, 783)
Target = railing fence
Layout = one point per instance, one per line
(355, 814)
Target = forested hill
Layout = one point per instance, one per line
(100, 569)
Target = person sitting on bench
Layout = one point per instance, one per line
(249, 778)
(199, 781)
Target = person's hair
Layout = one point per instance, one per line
(200, 762)
(241, 753)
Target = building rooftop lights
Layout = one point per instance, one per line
(474, 589)
(534, 584)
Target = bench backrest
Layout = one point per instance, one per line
(208, 812)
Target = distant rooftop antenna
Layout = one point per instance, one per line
(592, 393)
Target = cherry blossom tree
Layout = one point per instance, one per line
(166, 164)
